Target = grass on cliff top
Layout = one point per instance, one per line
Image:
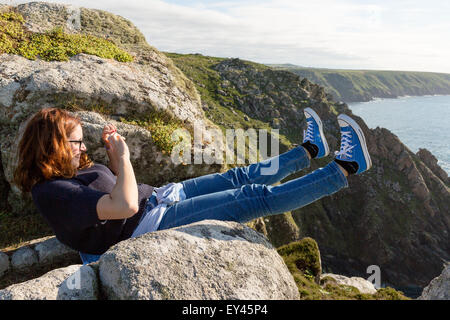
(54, 45)
(303, 261)
(219, 100)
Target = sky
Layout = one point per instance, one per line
(409, 35)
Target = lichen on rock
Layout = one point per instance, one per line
(52, 45)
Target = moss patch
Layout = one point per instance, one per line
(303, 254)
(161, 126)
(54, 45)
(303, 261)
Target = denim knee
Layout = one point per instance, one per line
(257, 195)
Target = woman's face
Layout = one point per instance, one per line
(77, 148)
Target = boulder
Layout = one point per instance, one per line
(359, 283)
(126, 87)
(23, 259)
(205, 260)
(50, 250)
(36, 257)
(75, 282)
(439, 287)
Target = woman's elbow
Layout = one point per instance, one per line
(132, 210)
(109, 208)
(127, 210)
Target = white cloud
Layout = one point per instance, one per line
(400, 35)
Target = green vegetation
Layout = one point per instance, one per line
(303, 261)
(220, 100)
(363, 85)
(281, 228)
(54, 45)
(161, 126)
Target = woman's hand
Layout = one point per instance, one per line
(108, 130)
(117, 147)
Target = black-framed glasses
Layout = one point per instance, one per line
(80, 142)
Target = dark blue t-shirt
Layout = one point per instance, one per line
(70, 208)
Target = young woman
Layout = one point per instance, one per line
(91, 207)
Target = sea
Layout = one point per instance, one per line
(419, 122)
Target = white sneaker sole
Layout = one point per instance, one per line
(316, 117)
(352, 123)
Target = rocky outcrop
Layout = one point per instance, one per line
(432, 163)
(267, 94)
(125, 88)
(439, 287)
(205, 260)
(23, 258)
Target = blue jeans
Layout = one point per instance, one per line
(242, 194)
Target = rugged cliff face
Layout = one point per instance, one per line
(395, 216)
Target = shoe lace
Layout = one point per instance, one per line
(309, 133)
(346, 146)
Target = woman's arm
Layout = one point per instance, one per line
(112, 165)
(122, 202)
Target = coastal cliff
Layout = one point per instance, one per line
(365, 85)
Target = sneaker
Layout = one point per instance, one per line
(353, 146)
(314, 133)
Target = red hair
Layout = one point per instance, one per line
(43, 149)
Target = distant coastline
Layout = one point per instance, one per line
(352, 86)
(402, 97)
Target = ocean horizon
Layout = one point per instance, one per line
(418, 121)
